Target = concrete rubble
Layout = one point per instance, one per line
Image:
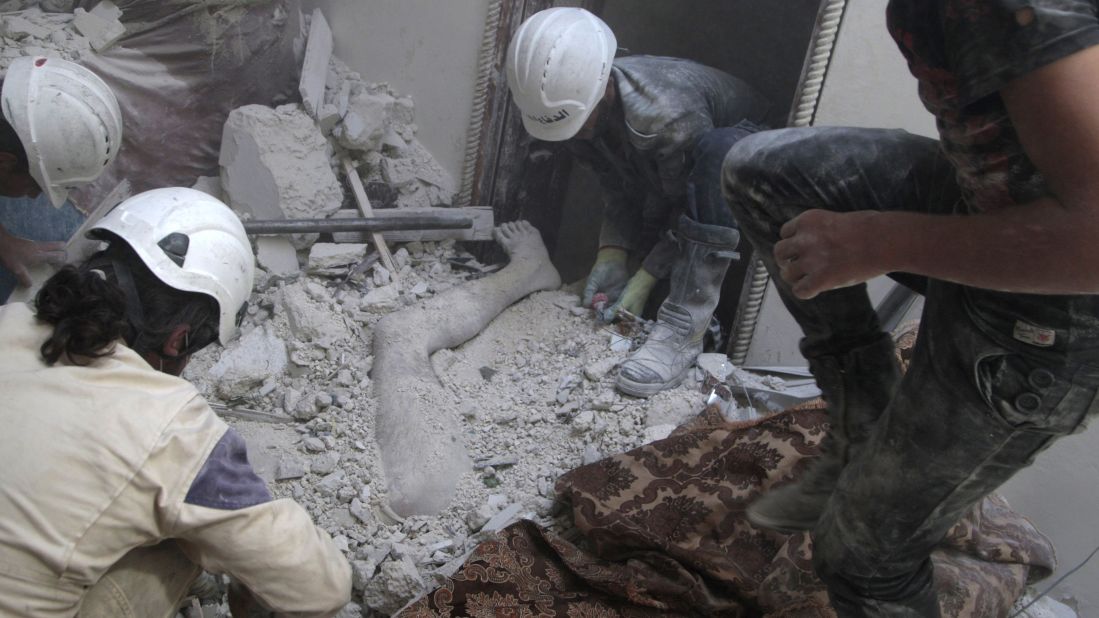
(32, 31)
(101, 25)
(275, 165)
(522, 428)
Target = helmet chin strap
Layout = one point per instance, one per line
(135, 315)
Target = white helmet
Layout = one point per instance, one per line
(67, 119)
(558, 64)
(190, 241)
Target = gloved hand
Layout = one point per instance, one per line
(633, 297)
(19, 254)
(608, 275)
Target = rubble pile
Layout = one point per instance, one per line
(34, 32)
(376, 127)
(535, 393)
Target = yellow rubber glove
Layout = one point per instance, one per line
(634, 296)
(608, 275)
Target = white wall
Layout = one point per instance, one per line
(426, 49)
(869, 85)
(1058, 493)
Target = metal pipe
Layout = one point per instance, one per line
(433, 221)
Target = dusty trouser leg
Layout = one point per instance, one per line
(968, 415)
(772, 177)
(420, 443)
(148, 582)
(707, 241)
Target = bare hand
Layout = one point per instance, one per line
(822, 250)
(19, 254)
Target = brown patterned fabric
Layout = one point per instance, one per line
(666, 534)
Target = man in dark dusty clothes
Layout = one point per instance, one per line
(996, 224)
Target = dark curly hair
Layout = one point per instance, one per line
(88, 314)
(89, 311)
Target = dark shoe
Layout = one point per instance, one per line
(857, 386)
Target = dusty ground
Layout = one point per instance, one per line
(536, 399)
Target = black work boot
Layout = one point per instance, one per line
(857, 386)
(676, 340)
(910, 595)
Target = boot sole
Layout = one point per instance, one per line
(645, 389)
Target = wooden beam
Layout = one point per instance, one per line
(364, 206)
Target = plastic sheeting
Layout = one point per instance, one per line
(182, 66)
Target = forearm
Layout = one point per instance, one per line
(1038, 248)
(617, 231)
(267, 548)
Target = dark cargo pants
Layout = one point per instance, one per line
(705, 202)
(995, 377)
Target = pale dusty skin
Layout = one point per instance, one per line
(419, 437)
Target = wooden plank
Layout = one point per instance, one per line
(481, 230)
(367, 211)
(314, 69)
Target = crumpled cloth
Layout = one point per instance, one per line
(665, 534)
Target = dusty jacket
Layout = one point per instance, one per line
(98, 460)
(643, 153)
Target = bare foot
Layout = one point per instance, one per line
(526, 251)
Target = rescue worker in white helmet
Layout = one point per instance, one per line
(120, 483)
(654, 130)
(61, 128)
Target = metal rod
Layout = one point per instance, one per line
(434, 221)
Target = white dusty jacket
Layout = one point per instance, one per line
(101, 459)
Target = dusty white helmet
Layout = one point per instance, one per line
(67, 119)
(190, 241)
(558, 64)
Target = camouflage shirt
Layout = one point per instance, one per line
(963, 52)
(642, 150)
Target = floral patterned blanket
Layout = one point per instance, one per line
(665, 534)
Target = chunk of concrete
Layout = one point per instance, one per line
(327, 117)
(314, 70)
(334, 255)
(106, 9)
(308, 320)
(275, 165)
(247, 362)
(397, 583)
(277, 255)
(19, 28)
(364, 124)
(381, 300)
(289, 468)
(326, 463)
(101, 32)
